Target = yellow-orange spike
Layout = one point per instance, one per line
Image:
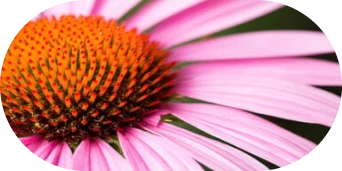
(104, 106)
(85, 106)
(12, 90)
(85, 79)
(142, 97)
(156, 90)
(73, 79)
(154, 103)
(13, 101)
(77, 97)
(145, 77)
(116, 112)
(156, 80)
(45, 90)
(102, 91)
(79, 86)
(74, 113)
(92, 97)
(45, 115)
(56, 109)
(94, 85)
(60, 94)
(132, 83)
(25, 97)
(121, 104)
(129, 92)
(36, 94)
(67, 102)
(28, 109)
(143, 88)
(135, 109)
(95, 114)
(63, 118)
(112, 97)
(38, 104)
(70, 90)
(133, 74)
(67, 73)
(86, 90)
(17, 111)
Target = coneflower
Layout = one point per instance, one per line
(76, 78)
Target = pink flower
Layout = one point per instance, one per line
(265, 72)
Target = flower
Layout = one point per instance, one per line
(75, 78)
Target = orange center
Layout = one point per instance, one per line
(72, 78)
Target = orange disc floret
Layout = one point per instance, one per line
(77, 77)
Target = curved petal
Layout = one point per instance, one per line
(261, 44)
(209, 17)
(93, 155)
(299, 70)
(215, 155)
(146, 16)
(266, 96)
(113, 9)
(135, 143)
(246, 131)
(54, 152)
(58, 10)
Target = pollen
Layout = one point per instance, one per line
(70, 78)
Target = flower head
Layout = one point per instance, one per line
(77, 77)
(80, 77)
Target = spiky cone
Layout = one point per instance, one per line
(77, 77)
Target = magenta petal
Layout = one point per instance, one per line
(146, 16)
(113, 9)
(209, 17)
(215, 155)
(246, 131)
(94, 155)
(299, 70)
(54, 152)
(266, 96)
(261, 44)
(169, 155)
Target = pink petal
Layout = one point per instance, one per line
(154, 119)
(299, 70)
(213, 154)
(209, 17)
(131, 154)
(54, 152)
(82, 7)
(113, 9)
(266, 96)
(93, 155)
(246, 131)
(146, 16)
(58, 10)
(261, 44)
(168, 153)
